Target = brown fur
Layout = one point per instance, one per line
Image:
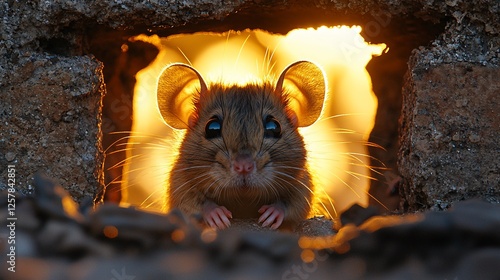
(203, 170)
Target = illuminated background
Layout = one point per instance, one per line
(336, 144)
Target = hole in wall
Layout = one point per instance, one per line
(336, 143)
(125, 63)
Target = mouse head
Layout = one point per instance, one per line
(250, 131)
(301, 85)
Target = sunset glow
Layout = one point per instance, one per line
(336, 143)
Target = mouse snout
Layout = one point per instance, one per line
(243, 164)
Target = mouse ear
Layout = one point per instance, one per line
(176, 91)
(304, 85)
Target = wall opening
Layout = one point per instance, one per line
(124, 54)
(337, 143)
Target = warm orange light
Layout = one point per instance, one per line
(208, 235)
(70, 207)
(110, 231)
(307, 255)
(178, 235)
(337, 152)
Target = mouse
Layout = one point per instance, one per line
(242, 155)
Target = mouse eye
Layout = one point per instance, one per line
(272, 128)
(213, 128)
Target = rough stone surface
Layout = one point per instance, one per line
(450, 127)
(50, 118)
(450, 140)
(56, 240)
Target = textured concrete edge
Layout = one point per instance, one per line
(100, 153)
(61, 134)
(427, 184)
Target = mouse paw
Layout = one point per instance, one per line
(272, 215)
(217, 216)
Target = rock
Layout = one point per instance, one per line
(481, 264)
(141, 230)
(460, 242)
(317, 226)
(439, 162)
(54, 200)
(35, 125)
(69, 239)
(357, 214)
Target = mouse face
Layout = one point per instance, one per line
(242, 155)
(245, 143)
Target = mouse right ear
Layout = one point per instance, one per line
(305, 85)
(176, 92)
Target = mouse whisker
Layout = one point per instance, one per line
(197, 147)
(186, 193)
(272, 191)
(192, 168)
(337, 116)
(136, 135)
(357, 156)
(139, 158)
(306, 199)
(144, 169)
(156, 200)
(317, 200)
(137, 148)
(320, 199)
(287, 189)
(124, 162)
(219, 189)
(236, 195)
(291, 167)
(295, 179)
(120, 180)
(358, 176)
(180, 187)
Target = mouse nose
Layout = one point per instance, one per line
(243, 164)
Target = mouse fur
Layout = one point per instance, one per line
(208, 178)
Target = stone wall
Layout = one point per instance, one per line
(50, 121)
(450, 125)
(51, 84)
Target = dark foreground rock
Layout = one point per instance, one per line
(56, 238)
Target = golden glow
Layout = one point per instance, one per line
(208, 235)
(70, 207)
(336, 144)
(378, 222)
(178, 235)
(307, 255)
(110, 231)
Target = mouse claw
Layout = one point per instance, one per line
(217, 217)
(272, 215)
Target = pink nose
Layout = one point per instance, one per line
(243, 164)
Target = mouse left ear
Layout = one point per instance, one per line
(176, 92)
(303, 84)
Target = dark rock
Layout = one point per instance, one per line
(54, 200)
(112, 242)
(138, 228)
(38, 92)
(439, 162)
(317, 226)
(70, 240)
(356, 214)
